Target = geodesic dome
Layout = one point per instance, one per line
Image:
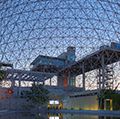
(29, 28)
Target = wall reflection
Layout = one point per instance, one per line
(72, 116)
(51, 116)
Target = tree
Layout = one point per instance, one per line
(37, 95)
(2, 75)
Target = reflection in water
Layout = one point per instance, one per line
(109, 117)
(55, 116)
(80, 117)
(17, 116)
(39, 116)
(75, 116)
(52, 116)
(23, 116)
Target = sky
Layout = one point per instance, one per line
(33, 27)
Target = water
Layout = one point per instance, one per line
(51, 116)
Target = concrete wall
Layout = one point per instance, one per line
(83, 102)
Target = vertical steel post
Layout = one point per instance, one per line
(99, 80)
(83, 75)
(103, 71)
(19, 88)
(50, 82)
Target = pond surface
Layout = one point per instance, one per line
(51, 116)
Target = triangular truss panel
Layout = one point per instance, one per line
(47, 27)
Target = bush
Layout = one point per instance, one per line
(37, 95)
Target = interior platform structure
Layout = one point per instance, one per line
(99, 60)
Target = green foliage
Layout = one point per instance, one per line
(116, 101)
(81, 109)
(2, 75)
(110, 94)
(104, 94)
(37, 95)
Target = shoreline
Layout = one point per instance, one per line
(88, 112)
(63, 111)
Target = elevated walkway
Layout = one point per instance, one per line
(94, 60)
(23, 75)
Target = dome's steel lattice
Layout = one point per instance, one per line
(29, 28)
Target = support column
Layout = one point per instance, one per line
(83, 75)
(12, 83)
(13, 86)
(34, 82)
(43, 83)
(69, 77)
(103, 72)
(19, 88)
(50, 82)
(60, 79)
(99, 88)
(99, 79)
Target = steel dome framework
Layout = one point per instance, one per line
(29, 28)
